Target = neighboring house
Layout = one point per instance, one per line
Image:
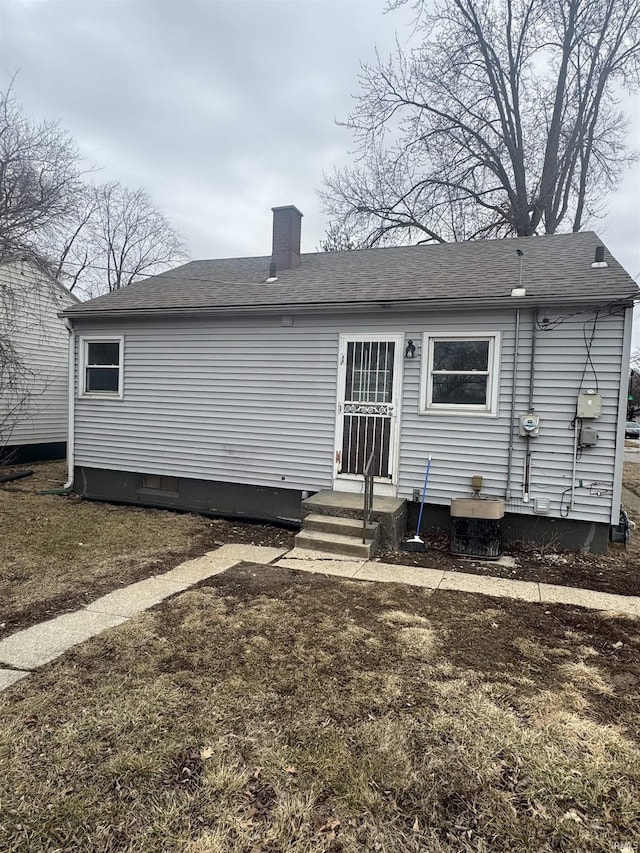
(240, 386)
(34, 358)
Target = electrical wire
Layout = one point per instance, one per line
(600, 488)
(613, 309)
(564, 511)
(588, 345)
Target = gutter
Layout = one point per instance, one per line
(71, 403)
(355, 307)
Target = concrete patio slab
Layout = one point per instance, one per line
(10, 676)
(341, 568)
(551, 594)
(136, 597)
(391, 573)
(501, 587)
(318, 556)
(42, 643)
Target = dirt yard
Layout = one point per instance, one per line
(58, 553)
(616, 572)
(270, 711)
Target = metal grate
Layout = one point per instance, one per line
(368, 407)
(369, 371)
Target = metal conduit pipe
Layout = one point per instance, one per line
(514, 383)
(532, 371)
(576, 430)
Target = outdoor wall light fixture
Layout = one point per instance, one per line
(410, 351)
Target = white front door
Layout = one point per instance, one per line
(368, 411)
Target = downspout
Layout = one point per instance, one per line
(616, 497)
(514, 383)
(71, 405)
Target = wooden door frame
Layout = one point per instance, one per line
(354, 482)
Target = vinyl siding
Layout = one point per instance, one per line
(247, 400)
(29, 319)
(464, 446)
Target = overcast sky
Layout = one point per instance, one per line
(221, 110)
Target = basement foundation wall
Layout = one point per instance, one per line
(536, 530)
(218, 499)
(283, 506)
(19, 454)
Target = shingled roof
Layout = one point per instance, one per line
(555, 268)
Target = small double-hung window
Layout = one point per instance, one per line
(101, 364)
(460, 374)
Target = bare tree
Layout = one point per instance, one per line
(74, 253)
(40, 179)
(93, 239)
(503, 120)
(119, 235)
(336, 239)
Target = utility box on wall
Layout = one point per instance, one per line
(589, 405)
(587, 437)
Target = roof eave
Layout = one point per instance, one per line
(353, 307)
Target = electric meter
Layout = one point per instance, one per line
(529, 424)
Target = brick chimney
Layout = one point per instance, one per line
(287, 223)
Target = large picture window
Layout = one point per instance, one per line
(460, 373)
(101, 367)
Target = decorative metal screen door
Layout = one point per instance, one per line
(367, 408)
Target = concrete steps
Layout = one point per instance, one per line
(336, 543)
(340, 526)
(332, 523)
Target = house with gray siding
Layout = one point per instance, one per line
(243, 386)
(34, 359)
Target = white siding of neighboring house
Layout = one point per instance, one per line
(247, 400)
(28, 316)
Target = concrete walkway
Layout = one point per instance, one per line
(27, 650)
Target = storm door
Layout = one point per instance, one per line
(367, 408)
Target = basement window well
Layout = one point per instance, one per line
(460, 374)
(101, 367)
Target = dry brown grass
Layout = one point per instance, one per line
(273, 712)
(57, 553)
(631, 476)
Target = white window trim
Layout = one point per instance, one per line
(82, 377)
(490, 410)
